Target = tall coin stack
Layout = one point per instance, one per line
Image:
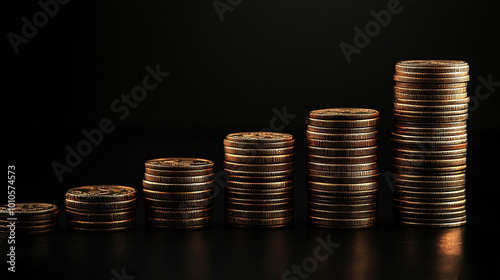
(178, 193)
(28, 218)
(430, 142)
(342, 169)
(260, 170)
(101, 208)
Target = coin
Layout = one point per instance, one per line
(263, 179)
(342, 143)
(430, 107)
(341, 160)
(191, 195)
(341, 207)
(25, 210)
(179, 204)
(436, 225)
(180, 173)
(195, 223)
(258, 222)
(342, 123)
(179, 214)
(83, 225)
(258, 167)
(258, 145)
(94, 217)
(429, 93)
(435, 104)
(259, 159)
(343, 180)
(260, 214)
(343, 187)
(431, 85)
(342, 152)
(429, 205)
(313, 192)
(164, 187)
(430, 74)
(342, 173)
(428, 80)
(259, 152)
(289, 172)
(429, 194)
(342, 223)
(113, 205)
(259, 137)
(433, 114)
(342, 167)
(265, 185)
(179, 164)
(350, 136)
(344, 114)
(36, 229)
(342, 130)
(429, 163)
(428, 96)
(436, 138)
(341, 215)
(178, 180)
(430, 119)
(433, 66)
(101, 193)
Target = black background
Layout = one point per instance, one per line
(228, 76)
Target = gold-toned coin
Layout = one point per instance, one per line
(27, 218)
(112, 205)
(94, 217)
(432, 92)
(259, 207)
(343, 180)
(428, 96)
(342, 130)
(329, 187)
(342, 223)
(258, 167)
(434, 104)
(346, 207)
(178, 180)
(259, 137)
(342, 144)
(429, 187)
(191, 195)
(180, 223)
(342, 152)
(429, 194)
(430, 125)
(425, 211)
(428, 80)
(25, 210)
(180, 173)
(342, 167)
(285, 193)
(28, 223)
(428, 205)
(341, 214)
(428, 145)
(430, 74)
(455, 108)
(452, 139)
(258, 222)
(351, 174)
(254, 179)
(431, 155)
(435, 225)
(164, 187)
(430, 119)
(258, 145)
(313, 191)
(82, 225)
(178, 214)
(345, 137)
(259, 159)
(433, 66)
(260, 214)
(289, 172)
(266, 185)
(259, 152)
(431, 114)
(430, 85)
(100, 211)
(429, 163)
(344, 114)
(431, 178)
(179, 164)
(424, 199)
(179, 204)
(344, 200)
(433, 220)
(343, 123)
(342, 159)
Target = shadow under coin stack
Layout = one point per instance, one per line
(30, 218)
(430, 142)
(101, 208)
(260, 170)
(342, 170)
(178, 193)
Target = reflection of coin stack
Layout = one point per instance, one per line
(342, 171)
(429, 142)
(101, 207)
(29, 218)
(260, 168)
(178, 192)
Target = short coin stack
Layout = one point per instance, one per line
(430, 142)
(29, 218)
(260, 170)
(342, 169)
(178, 193)
(101, 208)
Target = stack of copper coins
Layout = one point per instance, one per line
(101, 208)
(260, 170)
(28, 218)
(430, 142)
(178, 193)
(342, 170)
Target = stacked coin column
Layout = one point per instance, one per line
(260, 170)
(342, 170)
(101, 207)
(29, 218)
(430, 142)
(178, 193)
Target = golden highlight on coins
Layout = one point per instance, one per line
(342, 170)
(429, 142)
(178, 193)
(260, 170)
(30, 218)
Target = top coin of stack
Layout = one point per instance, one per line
(101, 207)
(30, 218)
(342, 170)
(430, 142)
(260, 168)
(178, 192)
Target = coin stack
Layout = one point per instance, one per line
(178, 193)
(430, 142)
(342, 169)
(101, 208)
(28, 218)
(260, 170)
